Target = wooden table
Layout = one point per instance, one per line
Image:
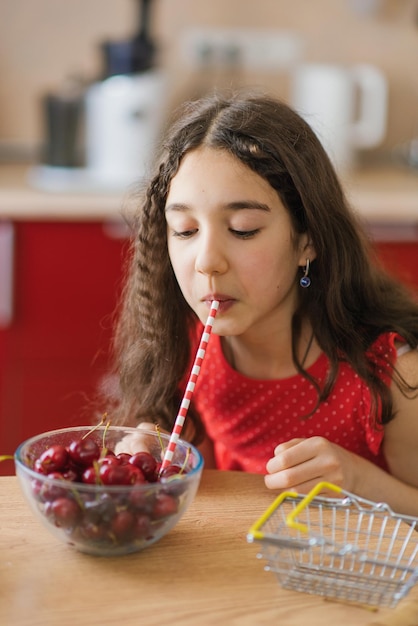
(203, 572)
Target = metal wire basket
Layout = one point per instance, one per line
(347, 548)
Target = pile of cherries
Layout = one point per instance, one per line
(107, 517)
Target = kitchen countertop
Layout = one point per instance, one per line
(381, 194)
(384, 194)
(19, 200)
(203, 572)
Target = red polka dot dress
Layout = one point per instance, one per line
(247, 418)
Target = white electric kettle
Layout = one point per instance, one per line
(345, 106)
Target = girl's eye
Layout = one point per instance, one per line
(240, 234)
(244, 234)
(184, 234)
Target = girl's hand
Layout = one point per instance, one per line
(299, 464)
(135, 442)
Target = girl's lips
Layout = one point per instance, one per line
(225, 302)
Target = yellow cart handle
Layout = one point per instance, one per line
(290, 519)
(256, 533)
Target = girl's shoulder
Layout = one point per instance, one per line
(390, 344)
(384, 353)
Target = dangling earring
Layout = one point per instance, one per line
(305, 281)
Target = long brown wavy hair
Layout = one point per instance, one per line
(350, 302)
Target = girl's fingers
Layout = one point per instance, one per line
(302, 488)
(289, 454)
(295, 476)
(286, 445)
(304, 463)
(147, 426)
(135, 442)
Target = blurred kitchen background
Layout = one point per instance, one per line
(44, 44)
(82, 80)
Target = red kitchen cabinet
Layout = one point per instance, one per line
(54, 352)
(401, 260)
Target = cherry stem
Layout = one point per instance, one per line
(6, 457)
(95, 427)
(160, 439)
(97, 473)
(186, 458)
(104, 449)
(76, 495)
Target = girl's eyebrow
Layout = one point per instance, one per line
(231, 206)
(248, 204)
(176, 206)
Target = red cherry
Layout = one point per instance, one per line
(91, 476)
(72, 475)
(84, 451)
(109, 460)
(53, 459)
(146, 463)
(100, 510)
(92, 532)
(112, 474)
(38, 467)
(65, 512)
(49, 491)
(142, 526)
(122, 524)
(170, 470)
(164, 505)
(36, 486)
(123, 457)
(138, 499)
(136, 475)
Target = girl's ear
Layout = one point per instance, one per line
(307, 250)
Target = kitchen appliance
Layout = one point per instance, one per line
(345, 106)
(62, 114)
(125, 111)
(102, 137)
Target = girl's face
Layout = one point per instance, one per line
(231, 239)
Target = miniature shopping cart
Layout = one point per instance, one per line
(347, 549)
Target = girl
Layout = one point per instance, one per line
(311, 372)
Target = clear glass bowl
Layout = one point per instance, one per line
(108, 520)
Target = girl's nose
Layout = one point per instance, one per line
(211, 257)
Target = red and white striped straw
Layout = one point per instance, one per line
(185, 403)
